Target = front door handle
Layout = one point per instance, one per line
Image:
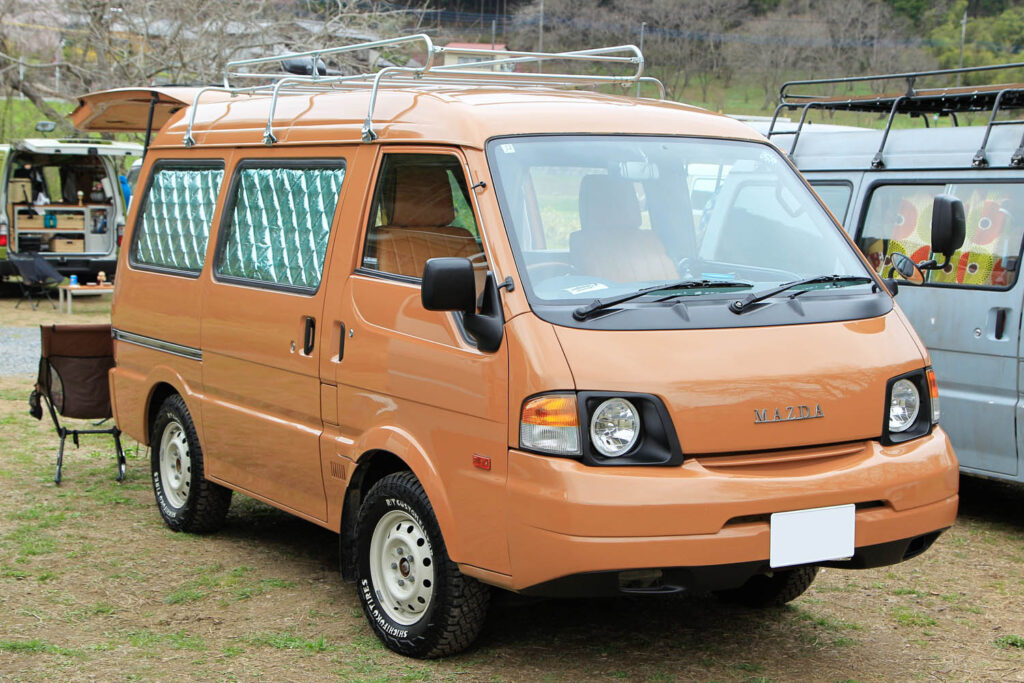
(309, 337)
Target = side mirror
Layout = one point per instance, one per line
(45, 126)
(949, 226)
(909, 270)
(449, 285)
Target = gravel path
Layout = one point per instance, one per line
(19, 350)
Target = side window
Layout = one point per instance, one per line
(421, 211)
(836, 197)
(173, 228)
(899, 218)
(279, 223)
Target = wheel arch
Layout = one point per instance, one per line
(374, 464)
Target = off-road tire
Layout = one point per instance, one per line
(458, 606)
(771, 591)
(206, 504)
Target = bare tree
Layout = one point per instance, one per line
(58, 49)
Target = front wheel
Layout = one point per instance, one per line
(187, 501)
(417, 601)
(772, 590)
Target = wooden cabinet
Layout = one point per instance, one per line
(63, 228)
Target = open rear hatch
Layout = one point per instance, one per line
(128, 110)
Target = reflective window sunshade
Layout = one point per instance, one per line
(174, 226)
(280, 224)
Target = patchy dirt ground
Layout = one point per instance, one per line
(94, 587)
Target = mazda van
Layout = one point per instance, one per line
(474, 322)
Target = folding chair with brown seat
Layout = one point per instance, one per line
(610, 243)
(73, 381)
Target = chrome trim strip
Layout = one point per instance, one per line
(159, 345)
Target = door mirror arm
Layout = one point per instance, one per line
(487, 326)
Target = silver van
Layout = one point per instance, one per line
(62, 198)
(880, 184)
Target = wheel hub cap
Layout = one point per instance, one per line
(175, 464)
(402, 567)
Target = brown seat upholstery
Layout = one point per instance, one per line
(610, 243)
(420, 223)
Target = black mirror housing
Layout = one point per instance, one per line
(303, 66)
(449, 285)
(949, 225)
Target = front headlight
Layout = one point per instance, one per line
(614, 427)
(904, 405)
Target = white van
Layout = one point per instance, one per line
(62, 198)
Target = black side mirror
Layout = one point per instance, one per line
(449, 285)
(303, 66)
(909, 270)
(949, 226)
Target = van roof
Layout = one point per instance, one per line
(952, 147)
(78, 146)
(466, 116)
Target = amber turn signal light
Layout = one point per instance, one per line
(550, 424)
(933, 394)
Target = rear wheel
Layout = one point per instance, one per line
(187, 501)
(772, 590)
(417, 601)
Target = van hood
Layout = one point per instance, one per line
(742, 389)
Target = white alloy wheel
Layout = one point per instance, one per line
(401, 567)
(175, 464)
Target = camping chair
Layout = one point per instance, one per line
(73, 382)
(38, 278)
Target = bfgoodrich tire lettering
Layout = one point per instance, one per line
(187, 501)
(772, 590)
(399, 549)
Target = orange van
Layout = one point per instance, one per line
(484, 326)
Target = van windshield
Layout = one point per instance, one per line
(602, 216)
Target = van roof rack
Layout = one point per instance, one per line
(948, 100)
(496, 68)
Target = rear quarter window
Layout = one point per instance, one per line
(173, 228)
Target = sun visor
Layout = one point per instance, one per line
(127, 109)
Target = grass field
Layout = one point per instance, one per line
(93, 586)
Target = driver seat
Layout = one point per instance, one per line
(610, 243)
(419, 228)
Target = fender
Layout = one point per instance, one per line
(404, 445)
(133, 392)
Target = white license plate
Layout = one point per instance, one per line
(817, 535)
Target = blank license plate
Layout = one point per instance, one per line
(806, 536)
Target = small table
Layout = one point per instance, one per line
(69, 292)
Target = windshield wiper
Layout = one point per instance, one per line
(744, 304)
(584, 312)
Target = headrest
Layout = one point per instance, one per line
(608, 204)
(423, 197)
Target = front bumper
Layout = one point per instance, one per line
(568, 520)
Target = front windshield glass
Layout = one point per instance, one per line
(600, 216)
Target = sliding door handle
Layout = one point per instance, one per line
(341, 343)
(309, 337)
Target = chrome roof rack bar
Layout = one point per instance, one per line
(480, 73)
